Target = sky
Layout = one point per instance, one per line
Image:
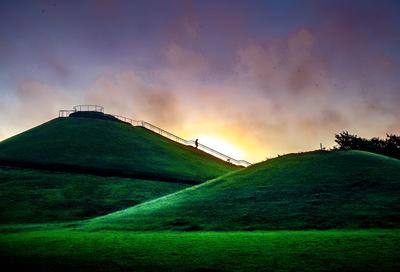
(252, 79)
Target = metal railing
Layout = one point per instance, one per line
(202, 147)
(126, 120)
(160, 131)
(164, 133)
(222, 156)
(65, 113)
(89, 108)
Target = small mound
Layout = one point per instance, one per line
(318, 190)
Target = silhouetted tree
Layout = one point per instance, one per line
(390, 146)
(346, 140)
(376, 145)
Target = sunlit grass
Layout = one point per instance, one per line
(66, 250)
(320, 190)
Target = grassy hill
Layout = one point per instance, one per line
(318, 190)
(109, 148)
(32, 196)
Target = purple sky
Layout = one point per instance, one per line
(266, 77)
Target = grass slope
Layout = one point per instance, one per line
(109, 148)
(40, 196)
(65, 250)
(318, 190)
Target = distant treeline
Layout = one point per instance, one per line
(389, 146)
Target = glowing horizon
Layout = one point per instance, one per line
(257, 78)
(221, 145)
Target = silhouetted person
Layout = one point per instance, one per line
(196, 143)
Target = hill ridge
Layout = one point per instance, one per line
(282, 193)
(107, 148)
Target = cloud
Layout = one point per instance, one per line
(38, 101)
(191, 26)
(187, 62)
(292, 65)
(35, 102)
(161, 106)
(7, 49)
(280, 97)
(127, 93)
(262, 65)
(305, 64)
(270, 85)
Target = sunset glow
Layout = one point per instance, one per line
(257, 78)
(221, 145)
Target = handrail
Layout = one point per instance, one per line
(65, 113)
(163, 133)
(192, 143)
(89, 108)
(126, 119)
(158, 130)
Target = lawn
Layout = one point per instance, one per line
(44, 196)
(317, 211)
(317, 190)
(332, 250)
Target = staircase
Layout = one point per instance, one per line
(160, 131)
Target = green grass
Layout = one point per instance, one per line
(69, 250)
(40, 196)
(318, 190)
(357, 192)
(109, 148)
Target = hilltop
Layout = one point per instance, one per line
(317, 190)
(104, 147)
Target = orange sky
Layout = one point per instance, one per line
(252, 79)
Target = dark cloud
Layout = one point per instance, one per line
(290, 67)
(355, 34)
